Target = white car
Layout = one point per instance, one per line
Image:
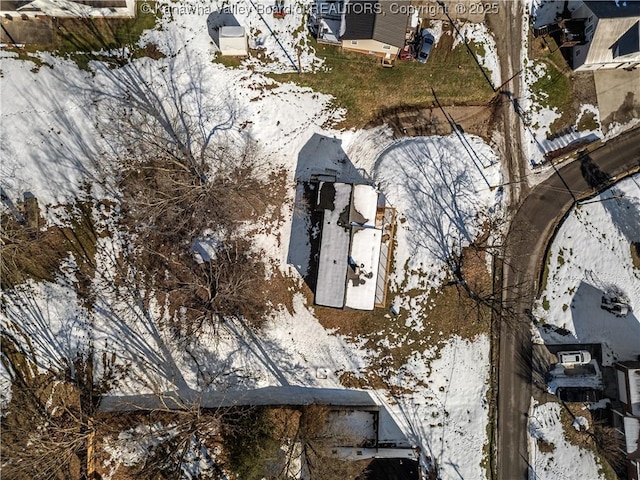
(579, 357)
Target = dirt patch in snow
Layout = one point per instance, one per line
(414, 121)
(635, 254)
(33, 252)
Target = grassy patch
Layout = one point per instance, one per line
(29, 252)
(562, 88)
(80, 35)
(587, 121)
(552, 89)
(545, 447)
(362, 86)
(545, 303)
(229, 62)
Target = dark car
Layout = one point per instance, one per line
(425, 46)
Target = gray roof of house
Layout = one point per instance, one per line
(630, 41)
(613, 8)
(266, 396)
(379, 20)
(391, 26)
(359, 19)
(606, 39)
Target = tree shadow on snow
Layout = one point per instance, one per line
(165, 102)
(625, 214)
(439, 190)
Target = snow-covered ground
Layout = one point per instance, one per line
(443, 191)
(591, 256)
(448, 418)
(52, 145)
(558, 458)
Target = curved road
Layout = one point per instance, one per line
(530, 231)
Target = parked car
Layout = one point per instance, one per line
(579, 357)
(425, 46)
(614, 305)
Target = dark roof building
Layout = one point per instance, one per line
(379, 20)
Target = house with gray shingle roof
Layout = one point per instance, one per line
(376, 27)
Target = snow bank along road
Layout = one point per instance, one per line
(528, 236)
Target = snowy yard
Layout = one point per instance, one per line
(56, 145)
(592, 255)
(551, 454)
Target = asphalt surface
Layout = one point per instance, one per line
(531, 230)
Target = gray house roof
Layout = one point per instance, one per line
(390, 26)
(359, 19)
(266, 396)
(379, 20)
(613, 9)
(629, 42)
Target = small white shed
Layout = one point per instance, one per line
(233, 41)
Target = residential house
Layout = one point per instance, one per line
(376, 27)
(350, 245)
(627, 419)
(603, 34)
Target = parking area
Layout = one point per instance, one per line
(618, 94)
(594, 349)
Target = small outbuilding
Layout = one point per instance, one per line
(233, 41)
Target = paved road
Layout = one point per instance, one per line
(530, 231)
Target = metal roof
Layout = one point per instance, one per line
(362, 278)
(391, 23)
(383, 21)
(334, 246)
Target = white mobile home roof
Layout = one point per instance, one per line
(334, 251)
(365, 253)
(364, 205)
(232, 31)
